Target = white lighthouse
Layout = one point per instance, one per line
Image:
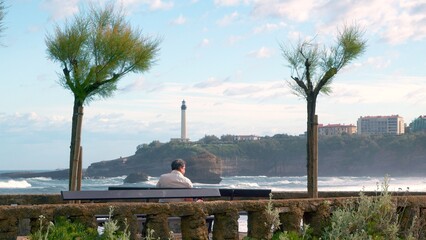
(183, 122)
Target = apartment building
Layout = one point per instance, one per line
(418, 124)
(374, 125)
(336, 129)
(246, 138)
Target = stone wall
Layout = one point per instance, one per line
(18, 220)
(31, 199)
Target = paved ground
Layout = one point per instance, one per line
(177, 236)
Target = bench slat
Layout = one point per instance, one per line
(140, 194)
(225, 192)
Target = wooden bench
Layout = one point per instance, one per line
(244, 193)
(131, 194)
(224, 192)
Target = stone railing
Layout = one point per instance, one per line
(18, 220)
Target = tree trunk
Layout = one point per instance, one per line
(79, 169)
(312, 141)
(77, 120)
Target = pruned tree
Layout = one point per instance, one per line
(96, 49)
(313, 70)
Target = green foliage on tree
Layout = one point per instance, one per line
(313, 70)
(207, 139)
(2, 15)
(227, 138)
(96, 49)
(418, 124)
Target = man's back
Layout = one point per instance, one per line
(174, 179)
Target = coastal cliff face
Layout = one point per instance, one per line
(281, 155)
(347, 155)
(201, 166)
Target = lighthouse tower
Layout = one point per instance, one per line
(183, 122)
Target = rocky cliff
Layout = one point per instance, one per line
(281, 155)
(201, 166)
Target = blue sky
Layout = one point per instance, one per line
(222, 57)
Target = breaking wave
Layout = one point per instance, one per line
(14, 184)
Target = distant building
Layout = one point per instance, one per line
(246, 138)
(183, 122)
(376, 125)
(418, 124)
(183, 137)
(336, 129)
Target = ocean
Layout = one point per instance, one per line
(293, 183)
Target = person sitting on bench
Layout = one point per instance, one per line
(175, 179)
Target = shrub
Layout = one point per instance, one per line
(306, 234)
(63, 229)
(111, 229)
(368, 218)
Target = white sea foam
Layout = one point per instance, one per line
(14, 184)
(287, 183)
(42, 178)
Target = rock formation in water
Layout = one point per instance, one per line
(136, 177)
(201, 166)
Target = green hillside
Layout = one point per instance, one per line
(281, 154)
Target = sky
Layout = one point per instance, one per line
(222, 57)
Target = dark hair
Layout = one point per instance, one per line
(178, 163)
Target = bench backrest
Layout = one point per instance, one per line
(140, 194)
(224, 192)
(231, 193)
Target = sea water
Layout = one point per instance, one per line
(42, 185)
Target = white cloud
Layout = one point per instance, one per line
(59, 9)
(378, 62)
(238, 91)
(227, 2)
(210, 82)
(152, 4)
(228, 19)
(296, 10)
(109, 122)
(205, 42)
(31, 122)
(392, 90)
(295, 36)
(234, 39)
(261, 108)
(263, 52)
(137, 85)
(159, 4)
(179, 21)
(394, 21)
(269, 27)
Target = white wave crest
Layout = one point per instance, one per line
(42, 178)
(14, 184)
